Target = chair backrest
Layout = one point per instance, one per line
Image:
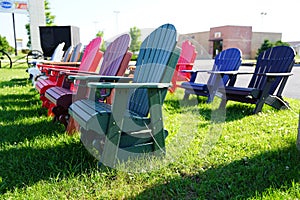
(67, 54)
(113, 59)
(75, 53)
(279, 59)
(188, 55)
(227, 60)
(91, 53)
(153, 65)
(58, 52)
(114, 55)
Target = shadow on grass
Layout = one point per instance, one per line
(21, 113)
(241, 179)
(15, 133)
(23, 167)
(233, 111)
(19, 100)
(14, 82)
(20, 106)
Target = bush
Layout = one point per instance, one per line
(4, 45)
(267, 44)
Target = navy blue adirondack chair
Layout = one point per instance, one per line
(227, 60)
(273, 67)
(115, 62)
(133, 125)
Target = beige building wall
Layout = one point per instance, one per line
(200, 41)
(258, 39)
(249, 45)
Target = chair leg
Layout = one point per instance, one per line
(264, 95)
(64, 120)
(72, 127)
(93, 142)
(277, 102)
(209, 99)
(61, 114)
(223, 104)
(186, 96)
(261, 101)
(259, 106)
(298, 135)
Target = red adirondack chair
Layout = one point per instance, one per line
(90, 61)
(186, 62)
(115, 62)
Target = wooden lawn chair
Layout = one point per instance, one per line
(114, 63)
(133, 125)
(56, 57)
(226, 60)
(186, 62)
(89, 63)
(273, 67)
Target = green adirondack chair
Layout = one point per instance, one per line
(133, 125)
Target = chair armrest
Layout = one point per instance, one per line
(79, 73)
(100, 78)
(128, 85)
(61, 63)
(277, 74)
(194, 70)
(187, 64)
(229, 72)
(57, 67)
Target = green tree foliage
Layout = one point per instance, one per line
(280, 43)
(27, 27)
(135, 35)
(49, 17)
(101, 34)
(267, 44)
(4, 45)
(49, 21)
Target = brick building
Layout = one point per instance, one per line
(224, 37)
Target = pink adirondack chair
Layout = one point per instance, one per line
(186, 62)
(90, 61)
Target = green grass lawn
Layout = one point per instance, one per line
(244, 157)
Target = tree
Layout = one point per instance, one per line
(267, 44)
(264, 46)
(4, 45)
(101, 34)
(49, 21)
(49, 17)
(280, 43)
(135, 35)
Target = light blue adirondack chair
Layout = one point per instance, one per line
(226, 60)
(133, 125)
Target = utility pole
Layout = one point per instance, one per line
(14, 27)
(263, 14)
(117, 24)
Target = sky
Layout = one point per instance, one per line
(118, 16)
